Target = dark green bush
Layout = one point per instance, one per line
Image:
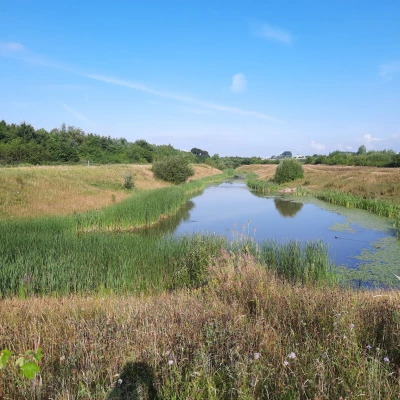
(175, 169)
(288, 170)
(128, 181)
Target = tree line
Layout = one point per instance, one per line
(23, 144)
(372, 158)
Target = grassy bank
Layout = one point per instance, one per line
(56, 255)
(246, 335)
(63, 190)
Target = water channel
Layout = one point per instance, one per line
(363, 246)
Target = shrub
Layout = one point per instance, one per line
(128, 181)
(288, 170)
(175, 169)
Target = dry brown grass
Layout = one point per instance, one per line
(211, 335)
(63, 190)
(372, 182)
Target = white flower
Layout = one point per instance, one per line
(351, 326)
(386, 360)
(170, 362)
(286, 363)
(292, 355)
(257, 356)
(368, 347)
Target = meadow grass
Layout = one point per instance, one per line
(247, 334)
(62, 190)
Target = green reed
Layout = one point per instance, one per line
(260, 186)
(382, 208)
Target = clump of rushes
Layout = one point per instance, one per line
(247, 335)
(258, 185)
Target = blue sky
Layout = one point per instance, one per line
(232, 77)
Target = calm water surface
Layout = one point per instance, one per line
(226, 209)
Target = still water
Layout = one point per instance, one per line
(357, 239)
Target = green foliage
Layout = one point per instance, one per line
(201, 155)
(288, 170)
(174, 169)
(383, 158)
(21, 144)
(128, 182)
(26, 362)
(362, 150)
(259, 186)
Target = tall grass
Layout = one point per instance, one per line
(47, 257)
(380, 207)
(260, 186)
(144, 209)
(247, 335)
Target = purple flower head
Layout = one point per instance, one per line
(386, 360)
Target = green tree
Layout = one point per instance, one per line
(362, 150)
(288, 170)
(175, 169)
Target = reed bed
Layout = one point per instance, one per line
(47, 257)
(144, 209)
(380, 207)
(248, 334)
(258, 185)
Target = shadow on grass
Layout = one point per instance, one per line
(135, 383)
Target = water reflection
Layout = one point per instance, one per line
(170, 224)
(287, 208)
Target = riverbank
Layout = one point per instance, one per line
(37, 191)
(372, 182)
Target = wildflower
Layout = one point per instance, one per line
(368, 347)
(351, 326)
(119, 382)
(171, 360)
(386, 360)
(257, 356)
(286, 363)
(292, 355)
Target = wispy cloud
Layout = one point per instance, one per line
(196, 111)
(23, 54)
(239, 83)
(317, 146)
(11, 47)
(389, 69)
(75, 113)
(178, 97)
(270, 32)
(369, 139)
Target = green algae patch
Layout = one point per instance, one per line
(342, 227)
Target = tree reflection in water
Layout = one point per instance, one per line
(287, 208)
